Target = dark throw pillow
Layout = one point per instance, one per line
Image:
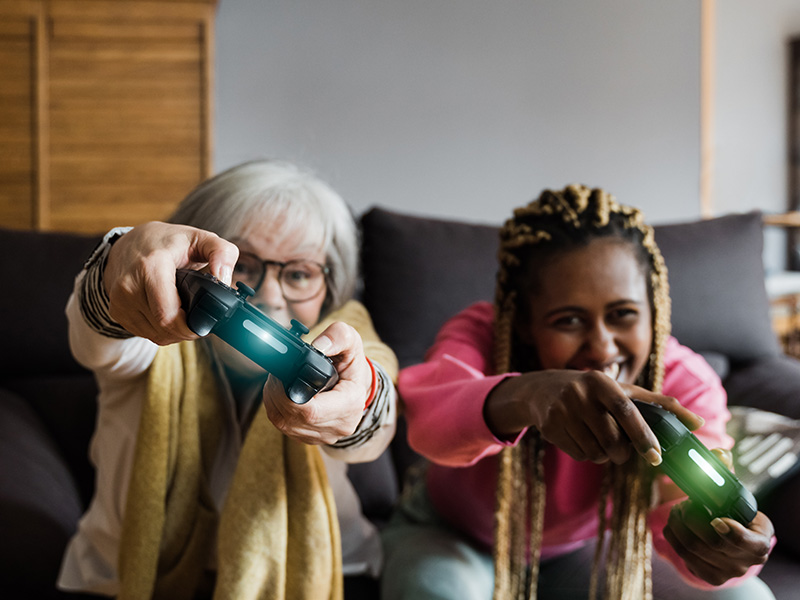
(716, 277)
(419, 271)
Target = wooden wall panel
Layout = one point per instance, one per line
(17, 121)
(109, 123)
(109, 100)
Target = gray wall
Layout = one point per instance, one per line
(751, 102)
(467, 108)
(751, 110)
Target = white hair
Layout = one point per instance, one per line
(283, 195)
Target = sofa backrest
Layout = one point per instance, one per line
(716, 276)
(35, 360)
(419, 271)
(38, 269)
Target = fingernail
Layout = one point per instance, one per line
(322, 343)
(226, 274)
(653, 456)
(720, 526)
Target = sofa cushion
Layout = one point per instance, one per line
(39, 502)
(67, 408)
(418, 272)
(771, 384)
(716, 277)
(34, 321)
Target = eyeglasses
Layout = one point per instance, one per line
(299, 279)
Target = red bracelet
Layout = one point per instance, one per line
(374, 387)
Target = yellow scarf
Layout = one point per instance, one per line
(278, 532)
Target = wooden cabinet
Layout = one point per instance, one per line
(105, 110)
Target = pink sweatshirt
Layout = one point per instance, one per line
(444, 399)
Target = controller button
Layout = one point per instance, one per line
(245, 290)
(313, 376)
(743, 510)
(301, 392)
(298, 328)
(212, 306)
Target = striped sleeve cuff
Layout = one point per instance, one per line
(92, 296)
(378, 414)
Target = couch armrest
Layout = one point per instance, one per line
(771, 383)
(780, 506)
(39, 502)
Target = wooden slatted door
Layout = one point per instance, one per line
(120, 95)
(18, 113)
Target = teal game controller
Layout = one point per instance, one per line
(213, 307)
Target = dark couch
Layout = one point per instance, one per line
(417, 272)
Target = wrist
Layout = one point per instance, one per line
(501, 409)
(92, 295)
(373, 384)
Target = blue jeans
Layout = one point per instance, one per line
(425, 559)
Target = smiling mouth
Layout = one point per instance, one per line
(613, 371)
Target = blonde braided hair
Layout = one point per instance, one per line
(558, 221)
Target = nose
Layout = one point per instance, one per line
(601, 344)
(270, 295)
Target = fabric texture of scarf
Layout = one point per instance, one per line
(278, 534)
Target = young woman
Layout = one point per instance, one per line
(209, 479)
(524, 410)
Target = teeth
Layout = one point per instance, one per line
(612, 371)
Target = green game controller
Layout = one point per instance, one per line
(697, 470)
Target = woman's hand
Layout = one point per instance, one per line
(586, 414)
(332, 414)
(720, 550)
(140, 276)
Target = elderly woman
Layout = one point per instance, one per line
(200, 489)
